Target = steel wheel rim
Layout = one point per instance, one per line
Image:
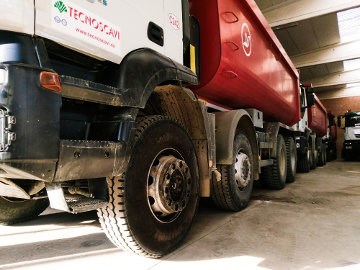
(242, 170)
(168, 186)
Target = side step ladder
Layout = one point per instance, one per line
(72, 203)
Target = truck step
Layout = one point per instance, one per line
(83, 204)
(80, 89)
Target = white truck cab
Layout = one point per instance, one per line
(76, 80)
(100, 29)
(351, 147)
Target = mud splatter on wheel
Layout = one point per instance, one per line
(152, 208)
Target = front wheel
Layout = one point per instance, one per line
(151, 209)
(16, 210)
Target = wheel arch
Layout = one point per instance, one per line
(181, 105)
(227, 123)
(142, 70)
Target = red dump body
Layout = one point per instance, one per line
(317, 117)
(242, 63)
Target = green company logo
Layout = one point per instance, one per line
(60, 6)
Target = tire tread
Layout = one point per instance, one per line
(270, 175)
(112, 217)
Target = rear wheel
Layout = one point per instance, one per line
(303, 163)
(331, 152)
(347, 155)
(151, 210)
(15, 210)
(322, 155)
(313, 160)
(274, 176)
(234, 189)
(291, 159)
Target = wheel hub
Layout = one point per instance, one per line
(242, 170)
(169, 186)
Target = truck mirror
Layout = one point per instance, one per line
(310, 99)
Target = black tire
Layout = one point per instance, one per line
(274, 176)
(331, 153)
(303, 163)
(291, 159)
(313, 159)
(322, 156)
(234, 189)
(14, 210)
(140, 218)
(320, 161)
(347, 155)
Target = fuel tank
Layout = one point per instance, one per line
(317, 116)
(242, 63)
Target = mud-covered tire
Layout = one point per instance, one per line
(291, 159)
(322, 156)
(303, 162)
(274, 176)
(133, 219)
(14, 210)
(233, 191)
(313, 159)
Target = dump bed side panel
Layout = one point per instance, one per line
(318, 118)
(242, 62)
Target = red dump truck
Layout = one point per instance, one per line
(331, 138)
(318, 123)
(137, 113)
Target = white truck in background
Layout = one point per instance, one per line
(351, 147)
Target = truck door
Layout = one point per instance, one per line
(17, 16)
(104, 29)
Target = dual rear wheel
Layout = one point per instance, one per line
(284, 165)
(274, 176)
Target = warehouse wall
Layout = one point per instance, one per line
(339, 106)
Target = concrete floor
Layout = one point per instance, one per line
(313, 223)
